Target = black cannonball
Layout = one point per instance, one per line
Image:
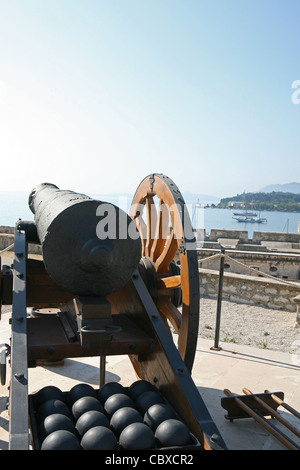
(158, 413)
(116, 401)
(85, 404)
(147, 399)
(172, 432)
(79, 391)
(89, 420)
(99, 438)
(55, 422)
(123, 417)
(139, 387)
(137, 436)
(109, 389)
(61, 440)
(47, 393)
(52, 406)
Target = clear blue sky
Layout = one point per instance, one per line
(97, 94)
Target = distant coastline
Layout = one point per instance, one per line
(253, 208)
(274, 201)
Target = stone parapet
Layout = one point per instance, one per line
(280, 265)
(251, 290)
(7, 239)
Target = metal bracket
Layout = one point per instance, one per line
(94, 322)
(151, 179)
(182, 246)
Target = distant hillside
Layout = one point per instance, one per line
(273, 201)
(285, 188)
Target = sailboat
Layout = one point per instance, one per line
(250, 214)
(249, 217)
(252, 220)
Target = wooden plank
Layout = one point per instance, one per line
(48, 339)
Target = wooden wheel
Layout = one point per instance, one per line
(169, 258)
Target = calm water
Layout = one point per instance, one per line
(276, 221)
(14, 205)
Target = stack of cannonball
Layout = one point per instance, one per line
(111, 418)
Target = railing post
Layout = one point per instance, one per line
(216, 346)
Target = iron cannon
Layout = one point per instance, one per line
(112, 283)
(90, 262)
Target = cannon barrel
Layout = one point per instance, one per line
(85, 243)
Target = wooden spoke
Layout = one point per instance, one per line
(163, 262)
(170, 282)
(169, 310)
(142, 228)
(151, 223)
(161, 232)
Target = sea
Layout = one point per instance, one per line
(14, 206)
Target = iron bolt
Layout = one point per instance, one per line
(19, 377)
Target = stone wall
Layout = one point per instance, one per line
(258, 237)
(241, 235)
(280, 265)
(7, 238)
(251, 290)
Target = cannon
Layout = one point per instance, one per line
(115, 284)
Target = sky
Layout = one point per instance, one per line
(97, 94)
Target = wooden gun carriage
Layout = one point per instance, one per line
(115, 284)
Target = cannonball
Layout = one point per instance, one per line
(158, 413)
(137, 436)
(79, 391)
(99, 438)
(109, 389)
(61, 440)
(172, 432)
(123, 417)
(147, 399)
(55, 422)
(51, 407)
(116, 401)
(85, 404)
(89, 420)
(47, 393)
(139, 387)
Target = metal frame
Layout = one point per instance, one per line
(18, 410)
